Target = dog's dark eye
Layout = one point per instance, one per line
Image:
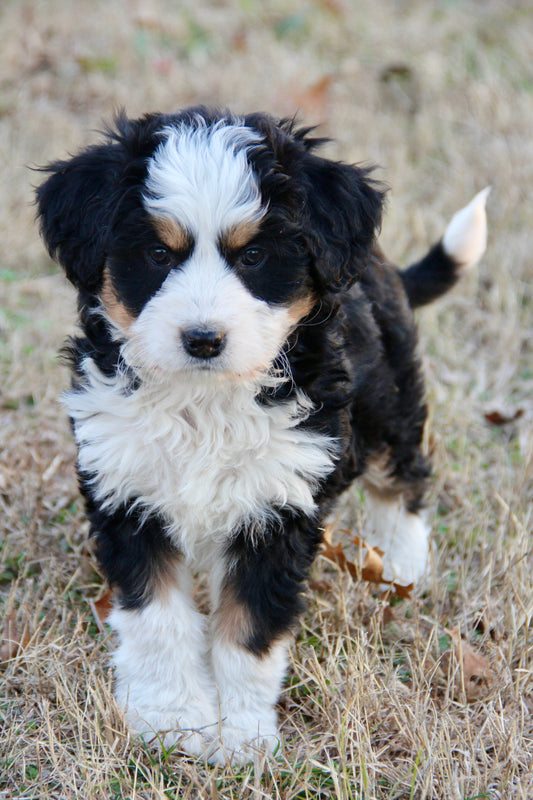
(159, 256)
(252, 257)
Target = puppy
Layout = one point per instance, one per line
(246, 353)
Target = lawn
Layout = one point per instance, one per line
(387, 698)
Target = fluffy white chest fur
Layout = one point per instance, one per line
(201, 452)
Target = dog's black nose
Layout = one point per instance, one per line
(203, 342)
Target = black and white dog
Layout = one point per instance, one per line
(246, 353)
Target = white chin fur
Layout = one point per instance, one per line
(465, 238)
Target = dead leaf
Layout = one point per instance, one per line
(372, 566)
(358, 542)
(403, 591)
(12, 640)
(313, 100)
(476, 674)
(240, 42)
(335, 7)
(485, 621)
(498, 418)
(321, 585)
(335, 553)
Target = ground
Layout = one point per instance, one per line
(428, 696)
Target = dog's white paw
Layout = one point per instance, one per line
(245, 740)
(162, 681)
(403, 537)
(192, 730)
(404, 565)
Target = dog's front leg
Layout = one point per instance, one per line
(162, 679)
(257, 599)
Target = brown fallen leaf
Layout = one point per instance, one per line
(486, 621)
(240, 42)
(335, 7)
(476, 675)
(321, 585)
(361, 542)
(12, 640)
(372, 566)
(335, 553)
(498, 418)
(403, 591)
(313, 100)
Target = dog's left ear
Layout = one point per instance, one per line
(344, 208)
(74, 208)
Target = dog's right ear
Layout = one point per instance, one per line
(75, 208)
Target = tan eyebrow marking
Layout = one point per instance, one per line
(116, 310)
(172, 233)
(239, 235)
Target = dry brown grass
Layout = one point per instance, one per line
(376, 704)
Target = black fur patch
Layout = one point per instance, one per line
(132, 548)
(267, 577)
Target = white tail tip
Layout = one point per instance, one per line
(465, 238)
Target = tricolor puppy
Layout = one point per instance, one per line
(246, 352)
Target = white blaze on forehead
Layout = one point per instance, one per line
(200, 177)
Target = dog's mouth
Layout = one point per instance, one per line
(197, 365)
(222, 372)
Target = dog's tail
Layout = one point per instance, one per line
(460, 248)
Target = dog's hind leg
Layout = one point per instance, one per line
(403, 536)
(397, 525)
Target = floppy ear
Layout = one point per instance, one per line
(74, 208)
(344, 216)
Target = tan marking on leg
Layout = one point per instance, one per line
(378, 474)
(168, 577)
(232, 620)
(385, 487)
(116, 310)
(172, 233)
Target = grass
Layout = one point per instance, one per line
(380, 701)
